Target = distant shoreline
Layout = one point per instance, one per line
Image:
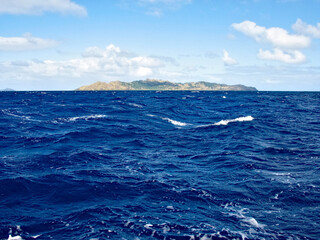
(161, 85)
(71, 90)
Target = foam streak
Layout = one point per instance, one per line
(240, 119)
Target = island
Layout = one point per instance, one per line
(162, 85)
(7, 90)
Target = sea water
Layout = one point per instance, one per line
(159, 165)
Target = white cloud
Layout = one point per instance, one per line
(306, 29)
(227, 60)
(145, 61)
(285, 45)
(143, 72)
(272, 81)
(290, 56)
(250, 29)
(278, 37)
(25, 43)
(93, 52)
(111, 61)
(158, 7)
(36, 7)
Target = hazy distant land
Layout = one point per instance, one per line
(155, 84)
(7, 90)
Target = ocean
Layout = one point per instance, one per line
(159, 165)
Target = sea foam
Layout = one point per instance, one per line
(73, 119)
(14, 238)
(240, 119)
(135, 105)
(226, 122)
(174, 122)
(87, 117)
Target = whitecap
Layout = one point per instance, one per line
(276, 197)
(240, 119)
(7, 112)
(174, 122)
(253, 222)
(15, 238)
(166, 229)
(135, 105)
(170, 207)
(127, 223)
(226, 122)
(243, 235)
(240, 213)
(86, 118)
(148, 226)
(205, 237)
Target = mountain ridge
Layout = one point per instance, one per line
(163, 85)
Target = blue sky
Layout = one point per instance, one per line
(63, 44)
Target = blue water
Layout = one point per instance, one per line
(159, 165)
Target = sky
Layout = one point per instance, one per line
(273, 45)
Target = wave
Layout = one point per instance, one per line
(8, 113)
(86, 118)
(135, 105)
(15, 238)
(222, 122)
(99, 167)
(16, 115)
(240, 119)
(240, 213)
(226, 122)
(174, 122)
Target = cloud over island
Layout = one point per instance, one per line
(111, 61)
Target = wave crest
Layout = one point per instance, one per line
(86, 118)
(240, 119)
(174, 122)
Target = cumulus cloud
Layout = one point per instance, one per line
(227, 60)
(111, 61)
(36, 7)
(290, 56)
(306, 29)
(278, 37)
(286, 46)
(25, 43)
(94, 52)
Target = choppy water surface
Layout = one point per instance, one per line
(159, 165)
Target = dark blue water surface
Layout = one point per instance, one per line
(159, 165)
